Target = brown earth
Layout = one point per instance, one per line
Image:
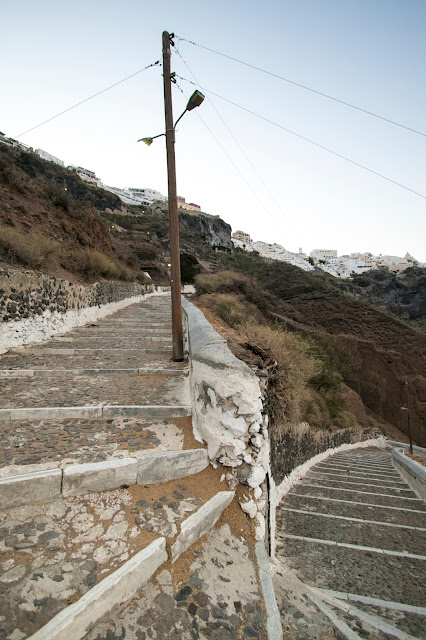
(384, 351)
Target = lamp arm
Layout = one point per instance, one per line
(180, 117)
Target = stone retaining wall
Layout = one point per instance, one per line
(413, 472)
(35, 306)
(228, 413)
(296, 446)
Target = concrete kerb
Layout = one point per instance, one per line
(404, 445)
(76, 620)
(277, 493)
(95, 411)
(79, 479)
(200, 522)
(40, 485)
(273, 617)
(412, 472)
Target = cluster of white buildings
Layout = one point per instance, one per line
(347, 265)
(270, 251)
(326, 259)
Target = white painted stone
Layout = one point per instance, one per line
(29, 487)
(39, 328)
(249, 507)
(237, 426)
(170, 465)
(260, 526)
(254, 428)
(257, 441)
(256, 477)
(261, 505)
(99, 476)
(74, 621)
(258, 493)
(200, 522)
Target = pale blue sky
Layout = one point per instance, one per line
(368, 52)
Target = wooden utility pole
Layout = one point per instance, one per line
(173, 210)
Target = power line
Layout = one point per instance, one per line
(89, 98)
(227, 155)
(303, 86)
(236, 142)
(316, 144)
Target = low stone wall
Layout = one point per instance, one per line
(228, 412)
(413, 472)
(278, 491)
(35, 306)
(294, 447)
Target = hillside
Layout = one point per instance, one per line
(374, 352)
(52, 221)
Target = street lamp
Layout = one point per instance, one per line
(194, 101)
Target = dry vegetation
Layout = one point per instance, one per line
(37, 251)
(305, 377)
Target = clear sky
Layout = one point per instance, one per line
(277, 187)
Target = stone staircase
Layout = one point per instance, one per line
(102, 484)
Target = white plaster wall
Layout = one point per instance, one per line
(227, 413)
(41, 327)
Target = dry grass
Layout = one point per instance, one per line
(31, 250)
(224, 281)
(290, 365)
(92, 264)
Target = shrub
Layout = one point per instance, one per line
(223, 281)
(288, 358)
(93, 264)
(31, 250)
(230, 309)
(345, 420)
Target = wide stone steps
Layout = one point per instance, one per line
(58, 551)
(101, 479)
(353, 529)
(80, 361)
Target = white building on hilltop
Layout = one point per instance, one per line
(323, 254)
(150, 195)
(47, 156)
(86, 175)
(242, 236)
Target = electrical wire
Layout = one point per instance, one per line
(89, 98)
(236, 142)
(316, 144)
(227, 155)
(303, 86)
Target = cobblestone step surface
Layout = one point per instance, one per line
(334, 506)
(338, 533)
(58, 443)
(364, 494)
(213, 593)
(81, 360)
(313, 525)
(67, 391)
(54, 552)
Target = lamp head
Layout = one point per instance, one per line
(148, 141)
(195, 100)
